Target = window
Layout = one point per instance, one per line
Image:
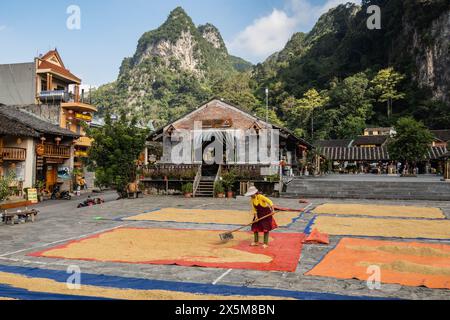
(43, 85)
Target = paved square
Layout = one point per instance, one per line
(60, 223)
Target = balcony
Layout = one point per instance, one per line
(84, 142)
(13, 154)
(55, 95)
(79, 107)
(55, 151)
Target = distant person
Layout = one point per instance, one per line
(261, 207)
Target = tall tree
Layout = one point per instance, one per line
(385, 87)
(411, 143)
(301, 111)
(114, 152)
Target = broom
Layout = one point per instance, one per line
(229, 235)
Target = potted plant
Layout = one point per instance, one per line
(188, 190)
(228, 180)
(219, 190)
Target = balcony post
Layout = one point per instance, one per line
(77, 93)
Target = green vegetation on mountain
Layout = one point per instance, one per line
(363, 71)
(175, 68)
(328, 83)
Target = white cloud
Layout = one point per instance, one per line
(270, 33)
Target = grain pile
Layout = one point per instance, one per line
(405, 263)
(228, 217)
(389, 228)
(51, 286)
(379, 211)
(147, 245)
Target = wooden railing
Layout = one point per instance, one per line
(55, 151)
(13, 154)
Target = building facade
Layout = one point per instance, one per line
(34, 149)
(47, 89)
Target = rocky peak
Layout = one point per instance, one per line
(176, 39)
(212, 35)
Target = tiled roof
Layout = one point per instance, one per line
(443, 135)
(370, 154)
(34, 126)
(370, 140)
(343, 143)
(55, 68)
(355, 154)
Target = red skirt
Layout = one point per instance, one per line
(265, 225)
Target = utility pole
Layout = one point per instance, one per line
(267, 104)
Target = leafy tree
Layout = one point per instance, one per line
(385, 87)
(351, 106)
(236, 89)
(411, 143)
(5, 181)
(301, 111)
(261, 112)
(116, 147)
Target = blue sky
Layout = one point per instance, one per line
(110, 29)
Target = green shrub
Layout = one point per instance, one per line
(218, 188)
(5, 191)
(187, 188)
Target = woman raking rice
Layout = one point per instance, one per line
(261, 207)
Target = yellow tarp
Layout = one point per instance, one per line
(390, 228)
(405, 263)
(380, 211)
(54, 287)
(230, 217)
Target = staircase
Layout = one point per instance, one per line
(205, 187)
(205, 180)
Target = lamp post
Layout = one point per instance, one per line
(267, 104)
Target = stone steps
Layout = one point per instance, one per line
(316, 188)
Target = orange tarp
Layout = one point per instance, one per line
(404, 263)
(317, 238)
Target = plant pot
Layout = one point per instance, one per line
(221, 195)
(188, 195)
(230, 194)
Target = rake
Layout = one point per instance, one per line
(229, 235)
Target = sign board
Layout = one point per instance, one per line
(217, 123)
(84, 117)
(32, 195)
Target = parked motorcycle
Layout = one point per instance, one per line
(57, 194)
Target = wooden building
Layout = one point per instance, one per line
(34, 149)
(218, 144)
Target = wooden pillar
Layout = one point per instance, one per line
(49, 82)
(447, 170)
(77, 93)
(1, 156)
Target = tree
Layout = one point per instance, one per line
(411, 143)
(351, 101)
(5, 182)
(301, 111)
(385, 87)
(114, 152)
